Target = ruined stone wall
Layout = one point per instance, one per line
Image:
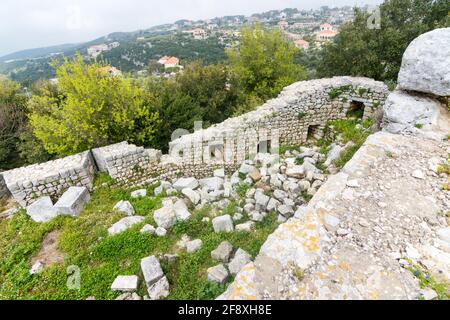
(300, 112)
(51, 178)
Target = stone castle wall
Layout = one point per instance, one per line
(299, 113)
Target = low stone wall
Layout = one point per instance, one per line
(51, 178)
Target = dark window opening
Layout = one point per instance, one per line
(356, 110)
(314, 132)
(216, 151)
(265, 146)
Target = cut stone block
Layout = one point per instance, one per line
(42, 210)
(183, 183)
(223, 252)
(240, 260)
(125, 284)
(245, 227)
(165, 217)
(218, 274)
(73, 201)
(125, 207)
(159, 290)
(124, 224)
(181, 210)
(139, 193)
(151, 269)
(223, 224)
(194, 246)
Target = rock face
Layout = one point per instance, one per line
(425, 66)
(73, 201)
(405, 112)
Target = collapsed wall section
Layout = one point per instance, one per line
(52, 178)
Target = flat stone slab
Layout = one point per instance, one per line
(124, 224)
(151, 269)
(42, 210)
(73, 201)
(125, 284)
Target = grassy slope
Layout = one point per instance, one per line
(85, 243)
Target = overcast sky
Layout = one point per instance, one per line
(26, 24)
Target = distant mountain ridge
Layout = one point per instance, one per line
(37, 52)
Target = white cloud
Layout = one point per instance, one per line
(28, 23)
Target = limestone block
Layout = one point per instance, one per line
(73, 201)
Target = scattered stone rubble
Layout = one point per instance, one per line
(383, 215)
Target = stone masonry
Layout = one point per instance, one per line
(51, 178)
(299, 113)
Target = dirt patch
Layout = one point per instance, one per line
(49, 253)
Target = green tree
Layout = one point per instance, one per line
(377, 53)
(213, 88)
(264, 62)
(12, 119)
(176, 109)
(89, 108)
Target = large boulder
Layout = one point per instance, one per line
(406, 112)
(425, 66)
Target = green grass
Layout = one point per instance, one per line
(427, 281)
(84, 243)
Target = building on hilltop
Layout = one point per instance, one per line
(169, 62)
(326, 32)
(112, 71)
(198, 33)
(96, 50)
(302, 44)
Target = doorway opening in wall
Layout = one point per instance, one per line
(265, 146)
(313, 132)
(216, 152)
(356, 110)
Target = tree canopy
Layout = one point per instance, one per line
(377, 53)
(91, 108)
(264, 62)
